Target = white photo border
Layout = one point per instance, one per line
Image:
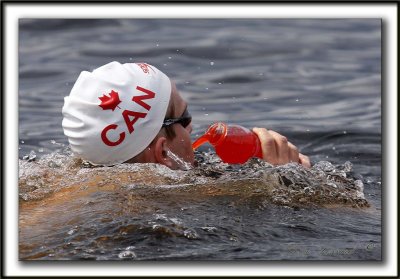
(13, 11)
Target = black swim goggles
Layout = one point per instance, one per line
(184, 120)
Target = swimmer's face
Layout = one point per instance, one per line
(181, 144)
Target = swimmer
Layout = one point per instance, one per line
(133, 113)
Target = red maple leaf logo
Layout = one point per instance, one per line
(110, 102)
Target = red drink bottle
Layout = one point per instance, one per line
(234, 144)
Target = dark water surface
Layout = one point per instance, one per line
(318, 82)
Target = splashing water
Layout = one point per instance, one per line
(72, 210)
(183, 165)
(323, 184)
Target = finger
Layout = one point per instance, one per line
(268, 145)
(283, 147)
(304, 160)
(293, 153)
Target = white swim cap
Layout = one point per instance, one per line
(113, 113)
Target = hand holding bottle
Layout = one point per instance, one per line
(235, 144)
(277, 150)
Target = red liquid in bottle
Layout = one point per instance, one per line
(234, 144)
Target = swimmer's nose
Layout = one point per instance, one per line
(189, 128)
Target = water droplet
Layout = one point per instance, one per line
(190, 234)
(233, 238)
(73, 230)
(206, 114)
(40, 150)
(177, 50)
(130, 58)
(53, 142)
(157, 45)
(30, 157)
(344, 132)
(308, 130)
(209, 229)
(22, 141)
(297, 100)
(169, 57)
(206, 88)
(127, 254)
(333, 148)
(212, 63)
